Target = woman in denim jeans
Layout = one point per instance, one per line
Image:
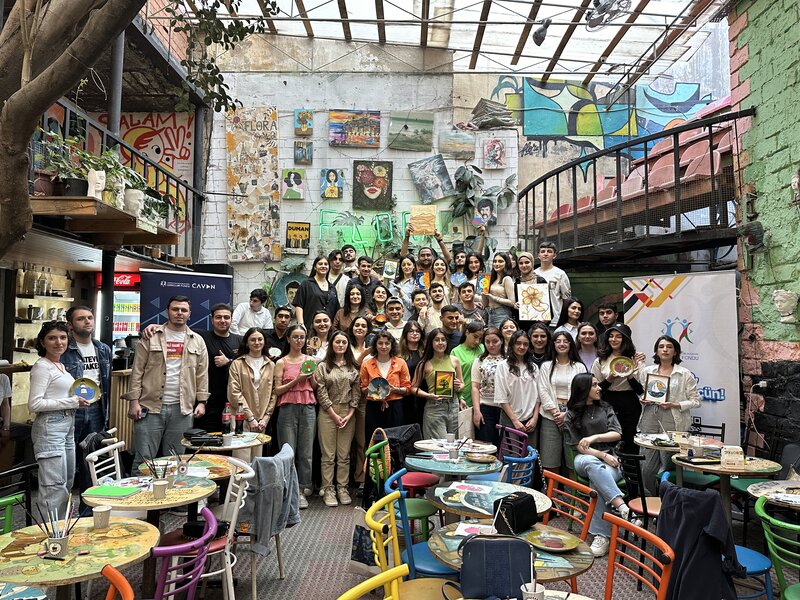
(53, 430)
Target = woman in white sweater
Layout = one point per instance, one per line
(515, 389)
(554, 381)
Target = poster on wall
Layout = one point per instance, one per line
(485, 213)
(698, 310)
(431, 179)
(331, 183)
(303, 122)
(372, 185)
(253, 182)
(494, 154)
(354, 128)
(303, 153)
(457, 144)
(411, 130)
(298, 237)
(293, 184)
(204, 290)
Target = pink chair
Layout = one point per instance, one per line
(183, 564)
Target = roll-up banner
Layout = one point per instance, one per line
(204, 290)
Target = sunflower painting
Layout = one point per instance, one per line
(534, 302)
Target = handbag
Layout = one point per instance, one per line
(515, 513)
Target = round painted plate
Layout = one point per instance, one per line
(657, 389)
(457, 279)
(379, 388)
(380, 319)
(86, 388)
(621, 366)
(553, 540)
(314, 343)
(479, 458)
(308, 367)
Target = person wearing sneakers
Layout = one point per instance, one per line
(338, 393)
(593, 430)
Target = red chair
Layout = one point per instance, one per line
(117, 584)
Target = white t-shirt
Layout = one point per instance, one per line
(91, 366)
(383, 367)
(255, 364)
(175, 341)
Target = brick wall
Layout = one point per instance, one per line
(175, 43)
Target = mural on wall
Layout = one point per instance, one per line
(331, 183)
(411, 130)
(251, 136)
(303, 122)
(372, 185)
(303, 153)
(457, 144)
(293, 184)
(354, 128)
(494, 154)
(570, 111)
(431, 179)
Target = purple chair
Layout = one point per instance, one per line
(180, 573)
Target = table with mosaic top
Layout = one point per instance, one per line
(124, 543)
(216, 465)
(240, 442)
(783, 492)
(480, 503)
(451, 469)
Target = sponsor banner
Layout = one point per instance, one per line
(204, 290)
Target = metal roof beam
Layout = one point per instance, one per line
(476, 46)
(381, 25)
(579, 13)
(301, 10)
(348, 36)
(265, 11)
(423, 32)
(526, 31)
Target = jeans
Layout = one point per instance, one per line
(439, 418)
(87, 420)
(53, 436)
(603, 479)
(157, 433)
(334, 444)
(296, 427)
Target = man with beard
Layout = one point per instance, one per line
(221, 346)
(426, 255)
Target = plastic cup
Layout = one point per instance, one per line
(450, 437)
(453, 453)
(227, 439)
(529, 593)
(102, 516)
(160, 487)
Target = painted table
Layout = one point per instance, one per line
(451, 468)
(240, 442)
(11, 591)
(647, 440)
(752, 467)
(440, 445)
(782, 492)
(126, 542)
(213, 466)
(560, 566)
(476, 499)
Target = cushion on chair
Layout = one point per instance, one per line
(754, 562)
(740, 484)
(426, 563)
(653, 506)
(173, 538)
(695, 479)
(792, 592)
(415, 479)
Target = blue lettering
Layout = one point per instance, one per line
(712, 394)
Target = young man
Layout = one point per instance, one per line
(276, 337)
(336, 275)
(557, 280)
(451, 323)
(426, 254)
(168, 385)
(433, 314)
(364, 281)
(349, 266)
(468, 306)
(251, 314)
(607, 315)
(394, 312)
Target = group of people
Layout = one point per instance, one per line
(554, 381)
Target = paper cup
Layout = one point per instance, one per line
(57, 546)
(453, 454)
(528, 593)
(227, 439)
(101, 515)
(160, 487)
(450, 437)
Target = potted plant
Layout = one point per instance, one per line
(135, 188)
(157, 206)
(61, 158)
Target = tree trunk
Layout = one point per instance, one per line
(16, 217)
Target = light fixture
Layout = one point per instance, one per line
(541, 32)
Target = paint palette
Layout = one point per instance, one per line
(274, 353)
(308, 367)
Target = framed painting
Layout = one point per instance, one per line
(331, 183)
(431, 179)
(423, 219)
(656, 388)
(534, 302)
(457, 144)
(303, 122)
(298, 237)
(372, 185)
(411, 130)
(293, 184)
(303, 153)
(494, 154)
(443, 383)
(354, 128)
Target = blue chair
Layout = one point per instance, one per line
(758, 567)
(417, 509)
(520, 471)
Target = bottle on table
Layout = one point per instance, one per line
(240, 419)
(227, 417)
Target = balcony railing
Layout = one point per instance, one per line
(679, 189)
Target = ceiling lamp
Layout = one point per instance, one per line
(605, 11)
(541, 32)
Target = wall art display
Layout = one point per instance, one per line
(298, 237)
(657, 388)
(443, 383)
(431, 179)
(423, 219)
(303, 153)
(253, 181)
(354, 128)
(411, 130)
(534, 302)
(485, 213)
(285, 289)
(494, 154)
(372, 185)
(303, 122)
(457, 144)
(389, 269)
(293, 184)
(331, 183)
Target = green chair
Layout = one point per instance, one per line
(7, 505)
(417, 509)
(783, 543)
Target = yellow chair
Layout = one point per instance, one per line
(389, 580)
(381, 520)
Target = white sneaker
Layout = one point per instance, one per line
(308, 491)
(625, 512)
(303, 502)
(599, 546)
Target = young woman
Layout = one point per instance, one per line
(499, 298)
(485, 413)
(354, 305)
(320, 331)
(338, 392)
(411, 349)
(593, 430)
(587, 343)
(467, 353)
(440, 415)
(250, 381)
(671, 415)
(441, 274)
(571, 315)
(385, 363)
(555, 379)
(360, 340)
(507, 329)
(316, 293)
(53, 429)
(405, 282)
(378, 301)
(297, 417)
(622, 393)
(515, 390)
(475, 269)
(541, 343)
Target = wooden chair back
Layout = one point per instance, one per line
(572, 500)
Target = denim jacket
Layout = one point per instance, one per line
(72, 359)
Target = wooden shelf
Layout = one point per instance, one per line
(37, 297)
(27, 321)
(8, 369)
(26, 350)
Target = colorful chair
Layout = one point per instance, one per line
(758, 567)
(783, 543)
(388, 580)
(117, 584)
(418, 509)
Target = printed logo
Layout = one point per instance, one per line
(678, 328)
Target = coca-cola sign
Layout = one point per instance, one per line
(122, 280)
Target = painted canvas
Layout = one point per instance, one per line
(423, 219)
(303, 153)
(411, 130)
(303, 122)
(534, 302)
(485, 213)
(354, 128)
(494, 154)
(331, 183)
(251, 138)
(431, 179)
(457, 144)
(298, 237)
(372, 185)
(293, 184)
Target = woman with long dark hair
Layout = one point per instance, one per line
(515, 390)
(360, 340)
(507, 328)
(316, 293)
(354, 305)
(441, 274)
(405, 282)
(467, 353)
(411, 349)
(593, 430)
(319, 335)
(541, 343)
(475, 269)
(440, 415)
(485, 413)
(587, 343)
(384, 362)
(571, 315)
(499, 299)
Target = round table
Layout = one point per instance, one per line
(771, 487)
(440, 445)
(752, 467)
(449, 468)
(240, 442)
(458, 499)
(217, 465)
(646, 440)
(560, 566)
(126, 542)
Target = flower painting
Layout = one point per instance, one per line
(534, 302)
(372, 185)
(303, 122)
(354, 128)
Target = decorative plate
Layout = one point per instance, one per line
(479, 458)
(379, 389)
(622, 366)
(87, 389)
(553, 540)
(308, 367)
(274, 352)
(314, 343)
(380, 319)
(457, 279)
